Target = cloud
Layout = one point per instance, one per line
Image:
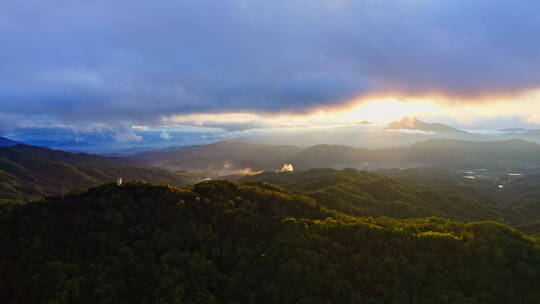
(409, 131)
(125, 62)
(286, 168)
(229, 122)
(125, 134)
(165, 135)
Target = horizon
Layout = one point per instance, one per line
(251, 151)
(93, 69)
(156, 138)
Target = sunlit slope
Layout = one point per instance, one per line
(369, 194)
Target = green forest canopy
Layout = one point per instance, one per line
(223, 242)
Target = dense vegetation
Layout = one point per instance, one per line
(363, 193)
(221, 242)
(518, 200)
(28, 172)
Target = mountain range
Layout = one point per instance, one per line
(226, 158)
(400, 133)
(414, 124)
(450, 229)
(28, 172)
(106, 141)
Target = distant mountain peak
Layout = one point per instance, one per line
(412, 123)
(406, 122)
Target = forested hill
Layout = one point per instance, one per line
(222, 242)
(28, 172)
(364, 193)
(76, 159)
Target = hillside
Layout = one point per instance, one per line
(371, 194)
(228, 158)
(464, 154)
(442, 153)
(6, 142)
(444, 180)
(220, 242)
(222, 158)
(77, 159)
(29, 172)
(328, 156)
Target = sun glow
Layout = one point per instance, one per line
(388, 110)
(380, 111)
(376, 111)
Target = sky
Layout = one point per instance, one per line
(252, 64)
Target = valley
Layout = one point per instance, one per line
(269, 152)
(417, 224)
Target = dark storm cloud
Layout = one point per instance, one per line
(102, 61)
